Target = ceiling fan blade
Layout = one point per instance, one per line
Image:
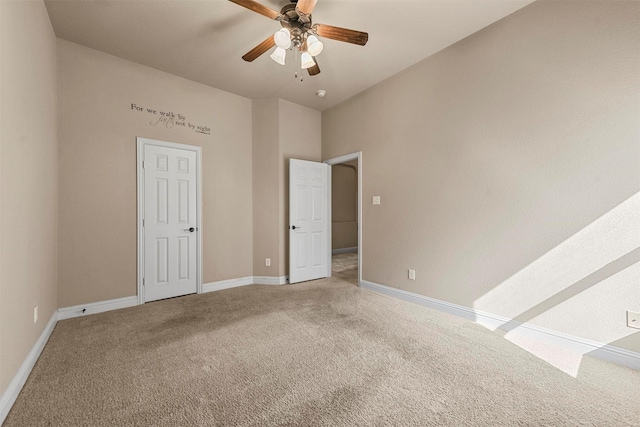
(257, 7)
(306, 6)
(341, 34)
(267, 44)
(315, 70)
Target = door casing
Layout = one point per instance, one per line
(141, 142)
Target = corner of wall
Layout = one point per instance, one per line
(29, 147)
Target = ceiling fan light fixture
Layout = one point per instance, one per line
(282, 37)
(307, 60)
(279, 55)
(298, 33)
(314, 46)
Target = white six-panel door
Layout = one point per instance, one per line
(169, 222)
(308, 224)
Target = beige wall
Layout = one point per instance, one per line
(266, 187)
(28, 180)
(97, 133)
(344, 205)
(494, 160)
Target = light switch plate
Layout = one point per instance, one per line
(376, 200)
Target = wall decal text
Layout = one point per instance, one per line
(169, 119)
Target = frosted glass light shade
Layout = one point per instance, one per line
(307, 60)
(282, 37)
(279, 55)
(314, 46)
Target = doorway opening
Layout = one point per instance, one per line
(345, 214)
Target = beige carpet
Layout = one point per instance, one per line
(320, 353)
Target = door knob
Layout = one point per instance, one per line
(190, 230)
(293, 227)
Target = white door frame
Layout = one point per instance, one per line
(141, 142)
(336, 161)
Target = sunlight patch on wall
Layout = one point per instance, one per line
(581, 288)
(599, 312)
(586, 311)
(605, 240)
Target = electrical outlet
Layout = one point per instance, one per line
(267, 262)
(35, 314)
(412, 274)
(376, 200)
(633, 319)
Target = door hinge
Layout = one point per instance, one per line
(143, 222)
(143, 281)
(143, 164)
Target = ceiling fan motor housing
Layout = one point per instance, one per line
(297, 25)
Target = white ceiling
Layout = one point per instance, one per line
(204, 40)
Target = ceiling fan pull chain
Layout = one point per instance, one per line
(301, 69)
(298, 62)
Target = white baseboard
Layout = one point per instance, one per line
(270, 280)
(344, 250)
(96, 307)
(227, 284)
(10, 395)
(572, 343)
(618, 355)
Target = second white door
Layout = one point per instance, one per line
(169, 222)
(308, 224)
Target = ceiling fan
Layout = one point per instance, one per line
(298, 33)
